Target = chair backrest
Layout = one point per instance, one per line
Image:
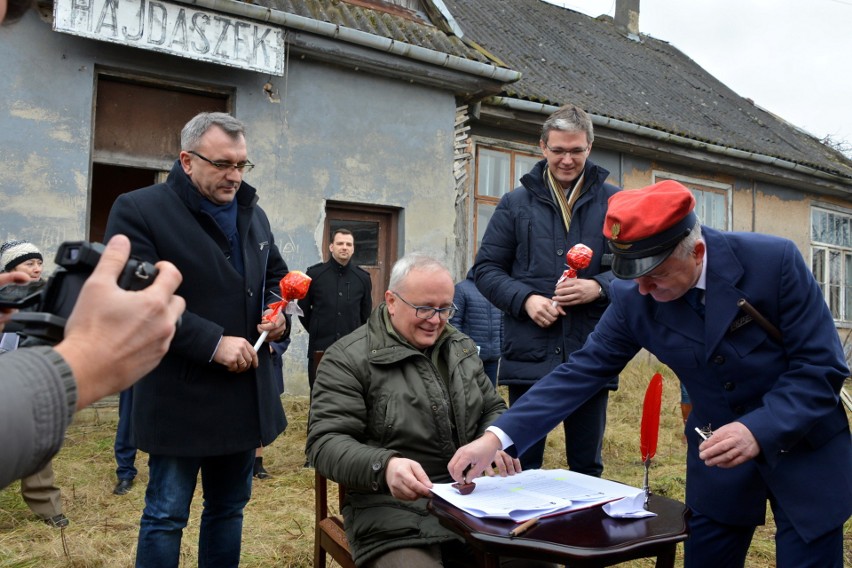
(329, 536)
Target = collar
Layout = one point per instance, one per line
(702, 280)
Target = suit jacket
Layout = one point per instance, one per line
(188, 405)
(337, 303)
(786, 394)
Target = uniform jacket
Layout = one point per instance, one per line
(188, 405)
(523, 253)
(785, 393)
(338, 301)
(376, 397)
(478, 318)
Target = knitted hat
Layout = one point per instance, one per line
(13, 253)
(645, 225)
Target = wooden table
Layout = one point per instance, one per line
(584, 538)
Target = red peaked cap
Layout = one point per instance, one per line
(645, 225)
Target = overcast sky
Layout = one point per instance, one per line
(791, 57)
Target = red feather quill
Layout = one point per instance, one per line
(650, 430)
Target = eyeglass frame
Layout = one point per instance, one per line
(450, 311)
(573, 152)
(241, 167)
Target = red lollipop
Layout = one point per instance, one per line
(294, 286)
(577, 258)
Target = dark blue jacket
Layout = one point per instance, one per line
(478, 318)
(523, 253)
(786, 394)
(189, 406)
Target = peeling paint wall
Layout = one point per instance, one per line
(319, 133)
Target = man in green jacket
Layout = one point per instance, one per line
(391, 403)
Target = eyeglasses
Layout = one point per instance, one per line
(573, 152)
(241, 167)
(428, 312)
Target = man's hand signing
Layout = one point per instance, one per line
(479, 455)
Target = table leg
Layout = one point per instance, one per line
(666, 557)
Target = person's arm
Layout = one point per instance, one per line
(38, 397)
(307, 305)
(803, 400)
(112, 339)
(198, 338)
(338, 421)
(367, 300)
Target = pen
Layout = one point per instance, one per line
(524, 527)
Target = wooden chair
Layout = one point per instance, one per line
(329, 536)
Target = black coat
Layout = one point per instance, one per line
(189, 406)
(338, 302)
(523, 253)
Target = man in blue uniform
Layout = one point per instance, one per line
(781, 434)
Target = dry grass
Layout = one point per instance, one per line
(278, 529)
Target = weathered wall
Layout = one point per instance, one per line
(335, 134)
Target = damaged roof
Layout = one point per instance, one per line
(565, 56)
(383, 20)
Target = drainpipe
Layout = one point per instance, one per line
(644, 131)
(357, 37)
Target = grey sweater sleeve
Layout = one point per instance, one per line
(38, 397)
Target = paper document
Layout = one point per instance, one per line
(534, 493)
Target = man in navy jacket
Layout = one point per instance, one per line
(781, 434)
(213, 399)
(561, 202)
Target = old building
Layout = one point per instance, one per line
(404, 120)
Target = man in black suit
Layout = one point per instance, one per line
(338, 300)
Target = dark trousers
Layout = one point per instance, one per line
(125, 451)
(712, 544)
(584, 432)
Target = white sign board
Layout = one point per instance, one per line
(176, 29)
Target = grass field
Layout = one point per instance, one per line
(278, 529)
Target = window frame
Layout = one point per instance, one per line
(831, 262)
(703, 186)
(514, 151)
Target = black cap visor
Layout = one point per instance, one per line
(630, 268)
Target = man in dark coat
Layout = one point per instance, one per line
(339, 299)
(212, 400)
(560, 203)
(769, 387)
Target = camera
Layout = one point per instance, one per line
(49, 303)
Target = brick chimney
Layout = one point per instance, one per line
(627, 18)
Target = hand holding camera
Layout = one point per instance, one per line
(113, 336)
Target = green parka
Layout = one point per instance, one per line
(377, 397)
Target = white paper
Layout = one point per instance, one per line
(534, 493)
(631, 507)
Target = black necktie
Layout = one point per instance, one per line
(695, 298)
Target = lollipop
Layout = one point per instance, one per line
(577, 258)
(294, 286)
